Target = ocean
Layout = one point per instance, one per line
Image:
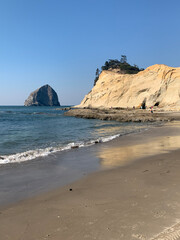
(27, 133)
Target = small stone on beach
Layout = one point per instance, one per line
(74, 147)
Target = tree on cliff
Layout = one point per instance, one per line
(97, 72)
(97, 76)
(122, 65)
(123, 59)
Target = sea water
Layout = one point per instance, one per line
(30, 132)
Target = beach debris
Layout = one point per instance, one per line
(76, 146)
(70, 189)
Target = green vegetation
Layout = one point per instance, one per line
(122, 65)
(97, 76)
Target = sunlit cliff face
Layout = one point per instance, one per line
(158, 85)
(120, 156)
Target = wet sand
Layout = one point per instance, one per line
(135, 196)
(20, 181)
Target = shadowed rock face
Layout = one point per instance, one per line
(43, 96)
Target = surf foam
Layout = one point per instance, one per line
(32, 154)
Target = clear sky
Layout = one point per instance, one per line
(62, 42)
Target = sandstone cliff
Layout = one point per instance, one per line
(43, 96)
(157, 85)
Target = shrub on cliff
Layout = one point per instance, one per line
(122, 65)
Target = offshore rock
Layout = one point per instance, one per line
(158, 85)
(43, 96)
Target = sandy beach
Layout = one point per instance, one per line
(134, 194)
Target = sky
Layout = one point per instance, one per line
(62, 42)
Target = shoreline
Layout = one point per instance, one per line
(135, 199)
(20, 181)
(84, 133)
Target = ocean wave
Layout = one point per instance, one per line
(32, 154)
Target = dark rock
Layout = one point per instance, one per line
(121, 115)
(74, 146)
(43, 96)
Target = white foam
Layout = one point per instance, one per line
(107, 139)
(32, 154)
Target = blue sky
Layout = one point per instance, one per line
(62, 42)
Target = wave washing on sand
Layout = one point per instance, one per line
(32, 154)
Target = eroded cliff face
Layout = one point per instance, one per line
(157, 85)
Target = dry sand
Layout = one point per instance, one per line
(138, 200)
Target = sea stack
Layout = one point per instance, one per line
(43, 96)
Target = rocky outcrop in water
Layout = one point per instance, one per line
(124, 115)
(158, 85)
(43, 96)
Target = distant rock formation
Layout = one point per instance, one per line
(158, 85)
(43, 96)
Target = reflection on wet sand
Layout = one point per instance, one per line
(119, 156)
